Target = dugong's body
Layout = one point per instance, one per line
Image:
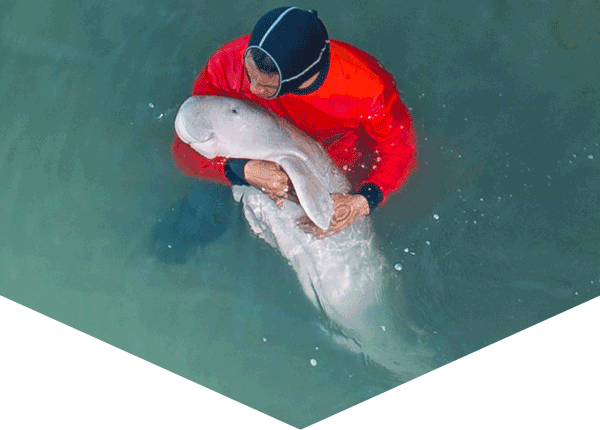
(220, 126)
(343, 274)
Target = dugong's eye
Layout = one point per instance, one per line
(234, 110)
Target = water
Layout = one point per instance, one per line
(500, 221)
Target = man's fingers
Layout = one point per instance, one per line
(307, 226)
(278, 200)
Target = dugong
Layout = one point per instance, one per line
(344, 275)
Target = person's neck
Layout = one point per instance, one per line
(309, 81)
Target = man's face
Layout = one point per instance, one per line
(263, 85)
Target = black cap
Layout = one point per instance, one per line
(297, 42)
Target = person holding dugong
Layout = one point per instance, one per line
(337, 94)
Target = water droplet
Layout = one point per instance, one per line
(398, 267)
(313, 362)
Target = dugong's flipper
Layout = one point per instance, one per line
(312, 193)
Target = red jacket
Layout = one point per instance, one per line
(356, 114)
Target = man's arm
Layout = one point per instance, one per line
(392, 140)
(393, 145)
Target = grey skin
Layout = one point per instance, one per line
(344, 275)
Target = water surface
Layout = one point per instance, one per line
(495, 232)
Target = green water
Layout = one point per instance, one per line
(505, 97)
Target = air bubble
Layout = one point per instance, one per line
(313, 362)
(436, 216)
(398, 266)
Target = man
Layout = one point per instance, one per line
(340, 96)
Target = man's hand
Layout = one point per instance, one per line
(270, 178)
(346, 209)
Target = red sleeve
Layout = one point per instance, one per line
(212, 80)
(392, 140)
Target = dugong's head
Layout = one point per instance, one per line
(194, 126)
(222, 126)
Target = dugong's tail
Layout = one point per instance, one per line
(346, 277)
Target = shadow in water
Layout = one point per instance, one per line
(194, 221)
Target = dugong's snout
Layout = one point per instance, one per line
(194, 128)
